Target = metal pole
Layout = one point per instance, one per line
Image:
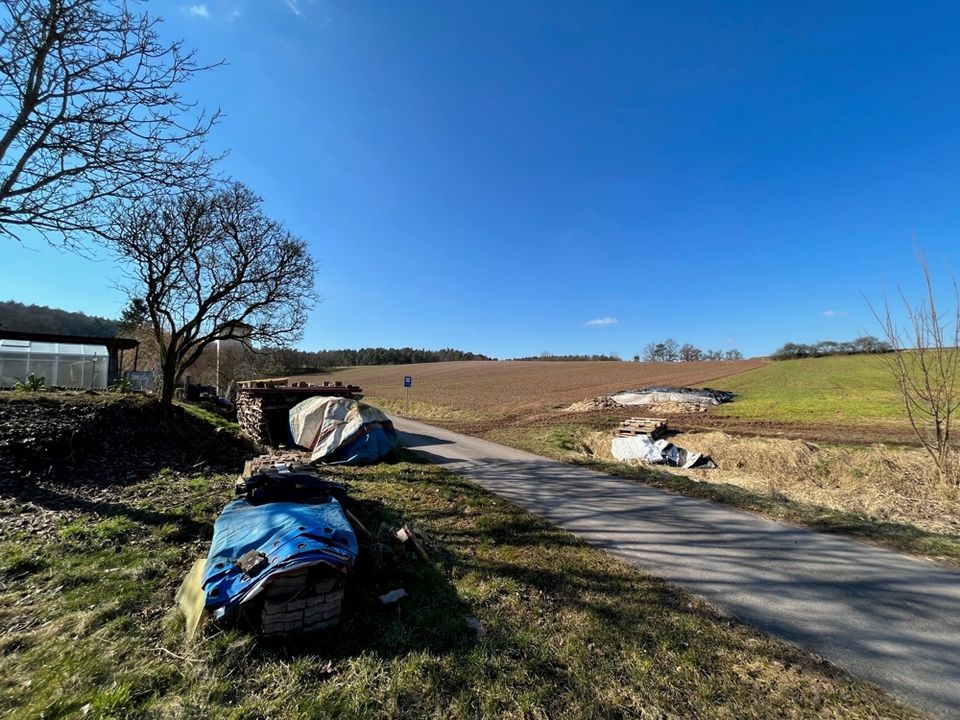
(406, 392)
(218, 368)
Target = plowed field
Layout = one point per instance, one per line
(500, 389)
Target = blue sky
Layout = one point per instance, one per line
(494, 176)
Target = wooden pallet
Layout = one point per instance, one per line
(294, 460)
(642, 426)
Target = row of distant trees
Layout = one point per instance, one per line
(236, 361)
(671, 351)
(317, 360)
(571, 358)
(866, 345)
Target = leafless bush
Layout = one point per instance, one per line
(925, 363)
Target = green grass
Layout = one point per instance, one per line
(213, 418)
(419, 410)
(565, 443)
(88, 627)
(853, 389)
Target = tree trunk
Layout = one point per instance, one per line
(168, 381)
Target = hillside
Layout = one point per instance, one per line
(848, 389)
(42, 319)
(497, 389)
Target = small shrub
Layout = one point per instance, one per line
(121, 386)
(31, 383)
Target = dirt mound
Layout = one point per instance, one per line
(604, 402)
(99, 437)
(65, 455)
(671, 408)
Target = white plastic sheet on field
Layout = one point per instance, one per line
(638, 447)
(661, 452)
(656, 395)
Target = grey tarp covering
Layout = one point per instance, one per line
(654, 395)
(661, 452)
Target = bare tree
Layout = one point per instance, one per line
(925, 363)
(689, 353)
(671, 351)
(214, 267)
(90, 115)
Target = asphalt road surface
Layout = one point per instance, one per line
(881, 615)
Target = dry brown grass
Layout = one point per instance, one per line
(894, 485)
(499, 389)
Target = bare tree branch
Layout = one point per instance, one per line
(213, 267)
(925, 363)
(91, 115)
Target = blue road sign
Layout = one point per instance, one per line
(407, 381)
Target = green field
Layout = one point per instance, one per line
(849, 389)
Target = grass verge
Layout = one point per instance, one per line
(565, 443)
(419, 410)
(213, 418)
(88, 627)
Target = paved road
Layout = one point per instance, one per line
(879, 614)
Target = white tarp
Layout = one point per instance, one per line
(642, 448)
(638, 447)
(657, 395)
(655, 398)
(323, 424)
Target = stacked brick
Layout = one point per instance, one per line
(301, 602)
(305, 600)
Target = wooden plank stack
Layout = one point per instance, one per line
(263, 406)
(294, 460)
(631, 427)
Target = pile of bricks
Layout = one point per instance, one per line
(305, 601)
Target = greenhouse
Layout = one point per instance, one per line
(74, 365)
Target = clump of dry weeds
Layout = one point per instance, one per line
(891, 484)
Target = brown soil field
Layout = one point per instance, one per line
(496, 389)
(476, 397)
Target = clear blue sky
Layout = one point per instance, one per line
(494, 175)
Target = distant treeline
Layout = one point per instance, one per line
(43, 319)
(671, 351)
(866, 345)
(551, 356)
(319, 360)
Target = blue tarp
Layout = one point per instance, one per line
(292, 536)
(374, 442)
(341, 430)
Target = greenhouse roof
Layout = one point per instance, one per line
(112, 343)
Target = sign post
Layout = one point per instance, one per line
(407, 384)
